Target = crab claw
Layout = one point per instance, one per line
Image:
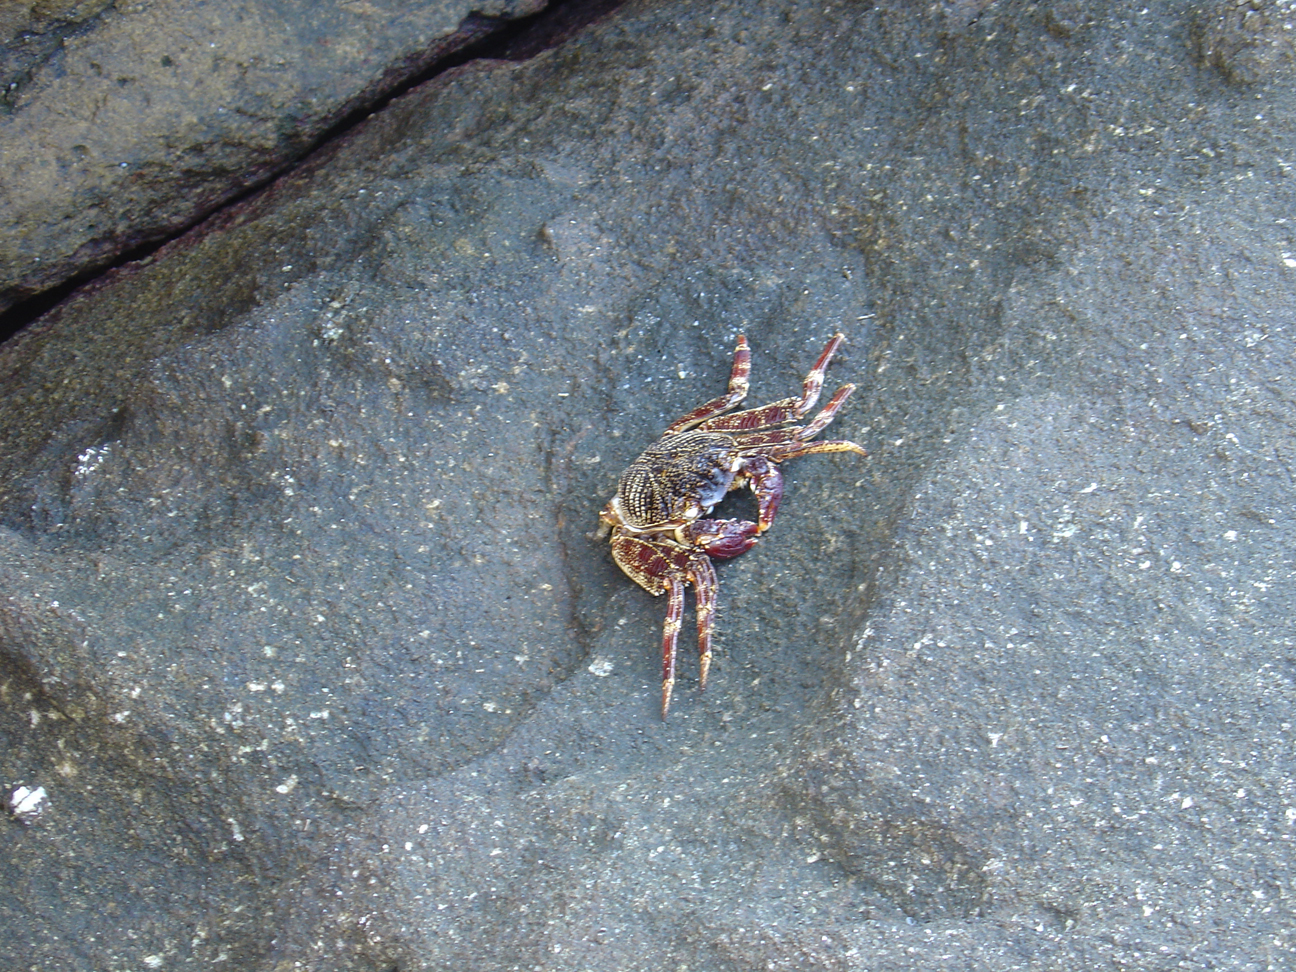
(722, 538)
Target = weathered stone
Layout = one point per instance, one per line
(122, 123)
(1246, 40)
(304, 633)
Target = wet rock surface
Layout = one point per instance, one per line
(123, 123)
(306, 639)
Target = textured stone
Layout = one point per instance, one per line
(122, 123)
(1246, 40)
(305, 635)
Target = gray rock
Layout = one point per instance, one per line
(305, 636)
(122, 123)
(1246, 40)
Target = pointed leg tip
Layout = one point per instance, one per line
(666, 698)
(839, 398)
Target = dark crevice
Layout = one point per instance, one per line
(478, 38)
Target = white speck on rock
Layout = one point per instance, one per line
(27, 803)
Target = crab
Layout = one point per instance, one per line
(661, 535)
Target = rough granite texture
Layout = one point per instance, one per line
(123, 122)
(305, 634)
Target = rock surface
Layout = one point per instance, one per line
(121, 123)
(305, 637)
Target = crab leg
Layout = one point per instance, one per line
(826, 414)
(786, 444)
(787, 409)
(702, 576)
(736, 393)
(704, 586)
(827, 445)
(781, 444)
(670, 635)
